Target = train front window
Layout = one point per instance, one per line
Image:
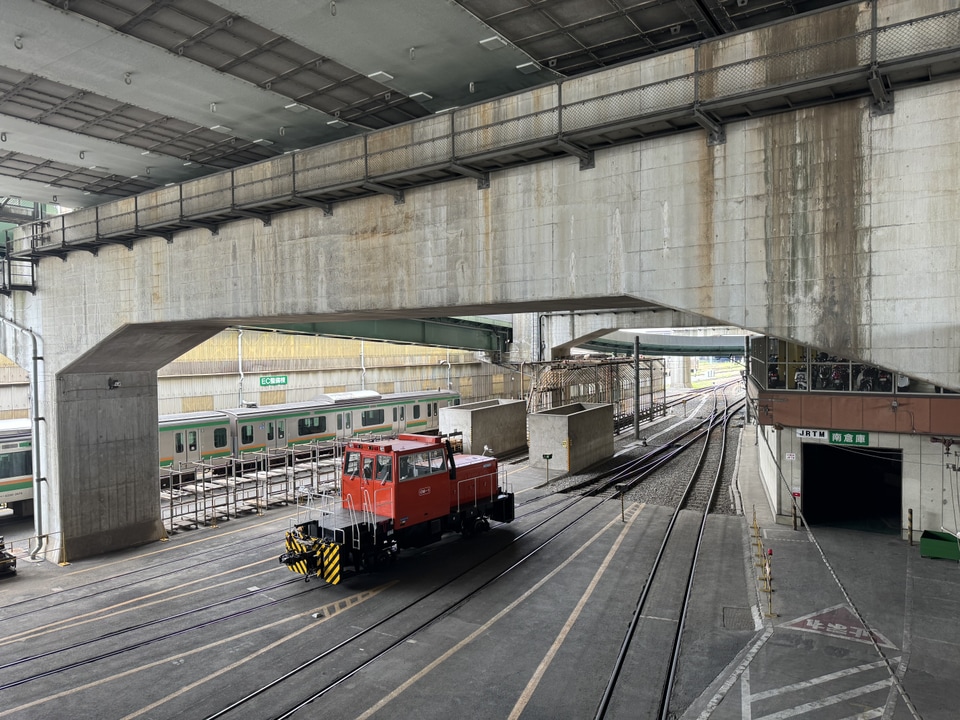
(368, 468)
(384, 468)
(351, 464)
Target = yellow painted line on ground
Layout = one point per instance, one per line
(528, 691)
(487, 625)
(327, 611)
(104, 613)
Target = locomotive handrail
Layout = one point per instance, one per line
(701, 86)
(490, 477)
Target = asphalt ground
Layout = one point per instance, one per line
(857, 625)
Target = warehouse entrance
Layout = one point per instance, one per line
(856, 487)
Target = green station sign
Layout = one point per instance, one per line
(271, 380)
(849, 437)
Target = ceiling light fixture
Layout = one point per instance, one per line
(421, 96)
(263, 141)
(493, 43)
(295, 107)
(527, 68)
(221, 128)
(380, 76)
(337, 123)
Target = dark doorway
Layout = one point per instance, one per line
(855, 487)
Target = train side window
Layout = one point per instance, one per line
(192, 440)
(435, 411)
(269, 431)
(312, 425)
(394, 414)
(351, 463)
(281, 431)
(219, 437)
(428, 409)
(348, 419)
(402, 409)
(178, 443)
(371, 417)
(407, 468)
(246, 434)
(416, 412)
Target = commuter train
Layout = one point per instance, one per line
(396, 494)
(212, 437)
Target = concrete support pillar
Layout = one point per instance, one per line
(107, 494)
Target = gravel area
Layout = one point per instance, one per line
(662, 488)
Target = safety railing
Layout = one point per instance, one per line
(207, 494)
(690, 81)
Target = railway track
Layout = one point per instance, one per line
(668, 588)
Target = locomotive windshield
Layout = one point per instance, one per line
(351, 463)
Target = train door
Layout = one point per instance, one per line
(344, 425)
(186, 447)
(275, 434)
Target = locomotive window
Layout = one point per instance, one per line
(178, 443)
(269, 431)
(219, 437)
(416, 412)
(407, 468)
(368, 468)
(371, 417)
(384, 468)
(280, 429)
(246, 434)
(192, 440)
(427, 462)
(351, 464)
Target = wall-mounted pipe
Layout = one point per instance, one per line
(36, 453)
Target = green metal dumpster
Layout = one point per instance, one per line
(939, 545)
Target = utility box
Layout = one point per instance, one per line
(574, 436)
(498, 425)
(939, 545)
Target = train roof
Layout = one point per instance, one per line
(14, 426)
(191, 417)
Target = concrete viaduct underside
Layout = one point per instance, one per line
(833, 225)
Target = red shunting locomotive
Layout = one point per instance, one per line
(396, 494)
